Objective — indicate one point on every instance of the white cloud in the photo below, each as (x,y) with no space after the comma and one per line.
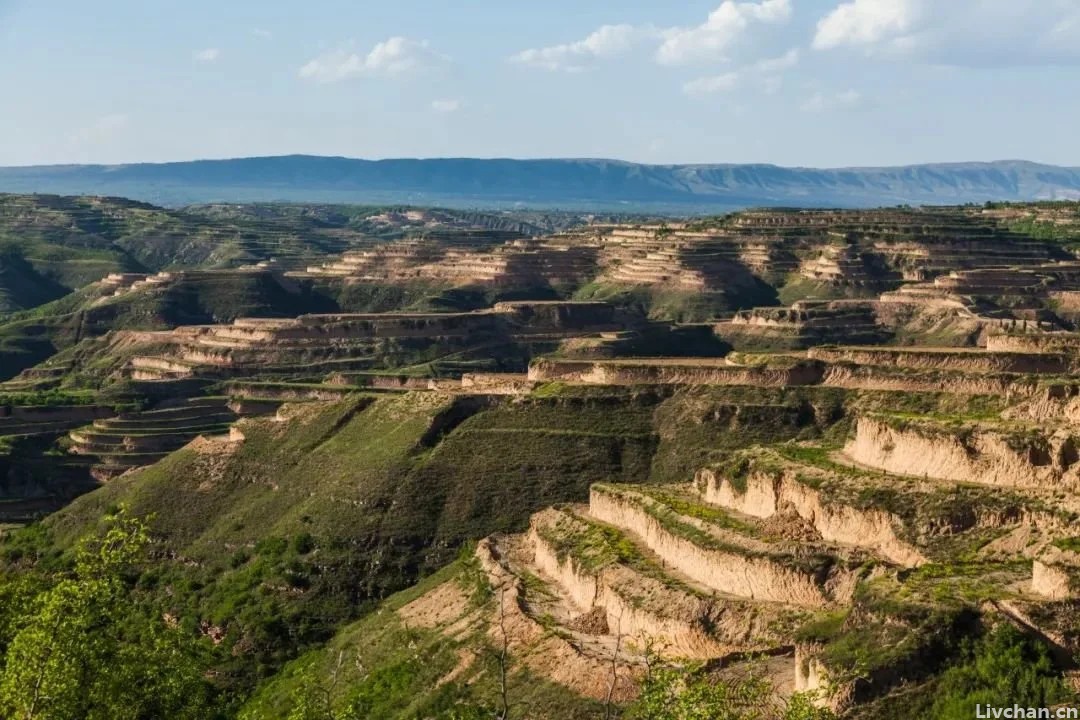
(607,42)
(712,85)
(446,106)
(207,55)
(727,27)
(723,29)
(775,65)
(826,102)
(393,57)
(765,74)
(957,32)
(262,33)
(864,22)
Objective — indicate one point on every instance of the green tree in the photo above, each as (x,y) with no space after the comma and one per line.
(17,594)
(86,651)
(1002,668)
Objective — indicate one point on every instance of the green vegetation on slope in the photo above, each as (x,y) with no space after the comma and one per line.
(383,668)
(999,667)
(310,521)
(76,240)
(30,337)
(74,645)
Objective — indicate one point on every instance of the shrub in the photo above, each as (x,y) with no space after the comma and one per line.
(1004,667)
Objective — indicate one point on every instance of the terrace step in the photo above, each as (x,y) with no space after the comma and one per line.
(143,438)
(597,584)
(719,552)
(962,359)
(905,520)
(997,453)
(95,443)
(158,424)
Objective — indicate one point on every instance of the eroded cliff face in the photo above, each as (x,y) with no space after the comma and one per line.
(853,377)
(644,611)
(1059,402)
(672,372)
(766,494)
(1034,343)
(812,678)
(968,455)
(744,574)
(1050,581)
(1056,574)
(547,654)
(959,360)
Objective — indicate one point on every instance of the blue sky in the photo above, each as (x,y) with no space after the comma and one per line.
(794,82)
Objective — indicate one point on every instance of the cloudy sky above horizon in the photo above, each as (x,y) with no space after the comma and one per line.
(823,83)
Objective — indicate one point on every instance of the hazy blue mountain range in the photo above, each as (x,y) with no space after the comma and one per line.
(564,183)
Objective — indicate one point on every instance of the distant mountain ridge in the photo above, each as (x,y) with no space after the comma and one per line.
(568,183)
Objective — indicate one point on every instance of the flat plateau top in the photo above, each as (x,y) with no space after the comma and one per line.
(924,350)
(695,362)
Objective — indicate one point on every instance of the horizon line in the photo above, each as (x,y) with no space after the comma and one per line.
(583,159)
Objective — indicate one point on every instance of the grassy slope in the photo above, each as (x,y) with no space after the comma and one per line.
(76,240)
(312,520)
(380,656)
(390,671)
(23,286)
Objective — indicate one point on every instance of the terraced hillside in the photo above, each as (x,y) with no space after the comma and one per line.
(136,301)
(372,492)
(51,245)
(74,241)
(856,578)
(694,271)
(854,562)
(914,273)
(33,480)
(138,439)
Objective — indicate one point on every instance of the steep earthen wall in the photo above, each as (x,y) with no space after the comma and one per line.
(866,377)
(497,383)
(766,494)
(974,456)
(811,676)
(1056,574)
(972,361)
(1051,581)
(754,577)
(677,625)
(670,373)
(1034,343)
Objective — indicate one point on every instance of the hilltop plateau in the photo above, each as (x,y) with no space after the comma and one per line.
(379,463)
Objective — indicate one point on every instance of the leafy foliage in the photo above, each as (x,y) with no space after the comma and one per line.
(1003,667)
(82,650)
